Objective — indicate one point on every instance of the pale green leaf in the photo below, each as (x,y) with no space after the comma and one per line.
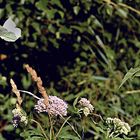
(130,74)
(41,5)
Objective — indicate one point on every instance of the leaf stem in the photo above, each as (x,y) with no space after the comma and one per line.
(132,91)
(62,127)
(51,128)
(122,5)
(72,128)
(40,128)
(30,93)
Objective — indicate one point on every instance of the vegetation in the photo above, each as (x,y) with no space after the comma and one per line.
(85,50)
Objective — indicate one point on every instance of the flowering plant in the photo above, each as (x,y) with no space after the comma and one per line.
(56,107)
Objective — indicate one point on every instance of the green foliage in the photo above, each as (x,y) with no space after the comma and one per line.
(133,72)
(80,49)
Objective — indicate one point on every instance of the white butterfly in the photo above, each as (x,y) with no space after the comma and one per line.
(9,32)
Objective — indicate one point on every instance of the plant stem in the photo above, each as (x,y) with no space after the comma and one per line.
(72,128)
(30,93)
(51,128)
(132,91)
(62,127)
(130,8)
(97,115)
(122,5)
(111,135)
(43,132)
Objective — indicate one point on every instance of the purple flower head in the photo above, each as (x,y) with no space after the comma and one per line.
(19,117)
(84,102)
(16,120)
(55,107)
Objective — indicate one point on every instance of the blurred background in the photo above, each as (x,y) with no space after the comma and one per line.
(80,48)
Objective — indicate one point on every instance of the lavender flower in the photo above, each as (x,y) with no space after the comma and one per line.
(87,107)
(84,102)
(55,107)
(16,120)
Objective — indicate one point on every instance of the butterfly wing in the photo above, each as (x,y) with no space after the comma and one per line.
(6,35)
(9,24)
(11,27)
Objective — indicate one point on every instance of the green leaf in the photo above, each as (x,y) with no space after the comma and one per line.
(8,127)
(79,28)
(41,5)
(109,9)
(75,102)
(76,9)
(130,74)
(68,136)
(50,13)
(1,137)
(65,30)
(122,13)
(137,74)
(57,2)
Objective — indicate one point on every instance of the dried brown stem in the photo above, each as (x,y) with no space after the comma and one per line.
(39,83)
(16,91)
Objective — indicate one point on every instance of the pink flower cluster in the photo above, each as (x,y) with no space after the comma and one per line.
(55,107)
(86,103)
